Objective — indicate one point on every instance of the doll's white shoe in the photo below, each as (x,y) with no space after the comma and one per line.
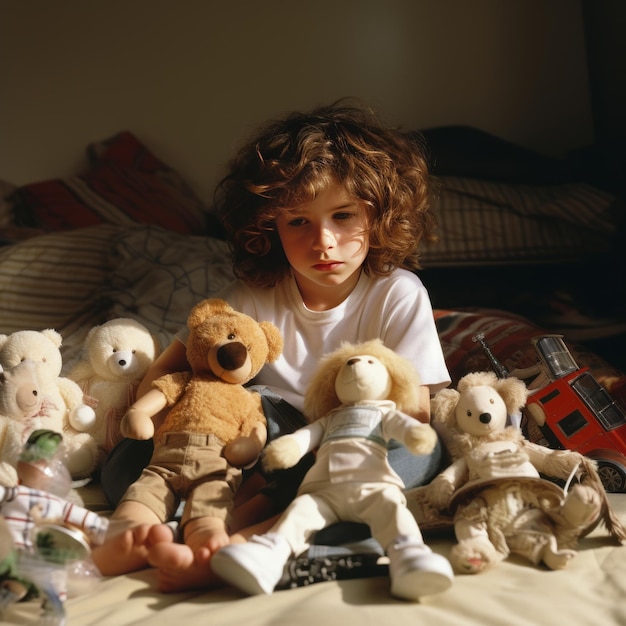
(254,567)
(416,571)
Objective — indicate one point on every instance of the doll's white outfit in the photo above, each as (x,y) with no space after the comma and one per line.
(351,480)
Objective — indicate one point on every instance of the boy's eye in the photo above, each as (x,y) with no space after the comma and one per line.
(297,221)
(343,215)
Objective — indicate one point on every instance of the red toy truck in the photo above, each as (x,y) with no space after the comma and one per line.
(575,412)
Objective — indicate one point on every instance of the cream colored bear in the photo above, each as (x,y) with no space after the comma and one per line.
(20,414)
(115,357)
(63,409)
(495,486)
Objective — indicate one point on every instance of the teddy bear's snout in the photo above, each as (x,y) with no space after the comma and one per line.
(123,362)
(231,356)
(485,418)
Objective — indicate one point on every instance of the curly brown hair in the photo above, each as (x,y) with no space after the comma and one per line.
(291,160)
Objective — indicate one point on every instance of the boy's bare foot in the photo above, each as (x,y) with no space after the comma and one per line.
(124,552)
(179,569)
(160,533)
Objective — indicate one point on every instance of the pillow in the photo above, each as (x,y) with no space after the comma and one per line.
(510,338)
(159,276)
(51,280)
(126,184)
(493,222)
(474,153)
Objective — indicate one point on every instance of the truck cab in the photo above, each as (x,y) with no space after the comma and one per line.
(574,412)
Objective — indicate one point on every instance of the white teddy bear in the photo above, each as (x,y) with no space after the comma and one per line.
(115,357)
(63,409)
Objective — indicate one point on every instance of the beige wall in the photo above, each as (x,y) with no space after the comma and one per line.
(192,77)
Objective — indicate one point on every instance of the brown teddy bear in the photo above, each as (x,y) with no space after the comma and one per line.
(212,417)
(494,487)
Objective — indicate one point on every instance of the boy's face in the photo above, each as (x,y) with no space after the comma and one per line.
(326,243)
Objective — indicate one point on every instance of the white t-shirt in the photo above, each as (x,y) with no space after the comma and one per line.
(394,308)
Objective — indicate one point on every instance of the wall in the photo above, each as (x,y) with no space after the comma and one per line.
(605,22)
(192,77)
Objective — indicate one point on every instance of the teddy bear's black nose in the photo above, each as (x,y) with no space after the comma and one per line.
(485,418)
(232,356)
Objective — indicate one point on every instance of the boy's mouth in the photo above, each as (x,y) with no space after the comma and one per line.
(327,266)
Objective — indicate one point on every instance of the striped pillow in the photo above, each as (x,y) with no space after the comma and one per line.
(486,222)
(55,279)
(510,339)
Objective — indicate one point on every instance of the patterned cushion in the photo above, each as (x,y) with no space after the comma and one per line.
(126,185)
(509,337)
(159,276)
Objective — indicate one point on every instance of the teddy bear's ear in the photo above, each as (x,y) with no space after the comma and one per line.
(91,333)
(443,405)
(514,393)
(476,378)
(206,309)
(274,340)
(53,336)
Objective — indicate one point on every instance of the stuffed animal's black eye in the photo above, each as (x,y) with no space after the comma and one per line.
(469,413)
(231,336)
(492,401)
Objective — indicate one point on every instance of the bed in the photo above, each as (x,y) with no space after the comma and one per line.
(128,238)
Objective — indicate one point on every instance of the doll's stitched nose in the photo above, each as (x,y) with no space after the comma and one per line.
(232,356)
(485,418)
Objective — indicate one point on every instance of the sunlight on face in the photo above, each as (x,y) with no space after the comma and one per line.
(326,243)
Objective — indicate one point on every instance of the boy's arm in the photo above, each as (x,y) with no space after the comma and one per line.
(172,359)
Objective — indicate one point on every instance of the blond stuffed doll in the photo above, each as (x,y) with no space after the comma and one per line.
(356,402)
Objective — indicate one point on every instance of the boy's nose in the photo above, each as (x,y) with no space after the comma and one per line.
(324,239)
